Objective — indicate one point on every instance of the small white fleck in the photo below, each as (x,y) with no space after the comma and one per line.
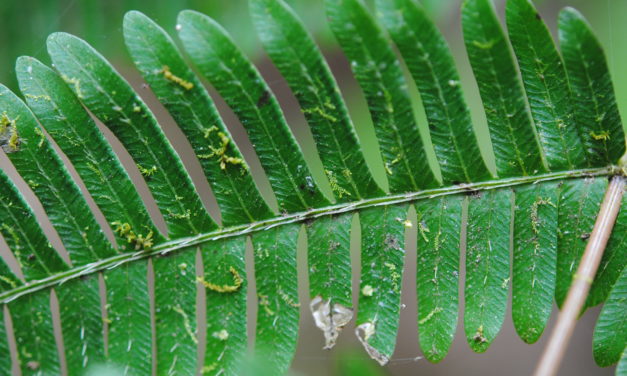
(178,27)
(29,69)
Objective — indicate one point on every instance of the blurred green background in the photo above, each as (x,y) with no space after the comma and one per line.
(25,25)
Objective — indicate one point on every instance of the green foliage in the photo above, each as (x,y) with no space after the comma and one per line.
(511,129)
(611,329)
(555,131)
(487,266)
(437,274)
(535,258)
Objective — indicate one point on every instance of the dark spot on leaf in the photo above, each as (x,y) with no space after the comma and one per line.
(456,182)
(392,242)
(538,16)
(473,193)
(585,236)
(264,99)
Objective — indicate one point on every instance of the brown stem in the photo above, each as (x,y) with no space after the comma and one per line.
(582,280)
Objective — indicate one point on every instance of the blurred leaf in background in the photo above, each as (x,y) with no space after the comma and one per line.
(355,362)
(27,23)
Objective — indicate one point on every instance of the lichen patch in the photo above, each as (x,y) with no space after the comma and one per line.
(139,241)
(600,136)
(9,138)
(221,152)
(237,283)
(168,75)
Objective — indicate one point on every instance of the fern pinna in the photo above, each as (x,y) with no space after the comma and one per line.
(555,132)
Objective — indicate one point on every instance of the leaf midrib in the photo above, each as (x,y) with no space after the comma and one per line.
(299,217)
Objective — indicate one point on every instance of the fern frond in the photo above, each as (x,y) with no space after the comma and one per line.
(554,128)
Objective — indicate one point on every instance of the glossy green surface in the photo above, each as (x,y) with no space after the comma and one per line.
(621,368)
(579,202)
(36,346)
(70,126)
(81,324)
(175,313)
(40,166)
(487,266)
(128,318)
(613,261)
(437,274)
(301,63)
(237,80)
(514,142)
(154,54)
(378,72)
(328,241)
(610,333)
(545,217)
(535,258)
(546,85)
(431,65)
(112,100)
(226,310)
(5,356)
(34,255)
(382,261)
(596,111)
(277,296)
